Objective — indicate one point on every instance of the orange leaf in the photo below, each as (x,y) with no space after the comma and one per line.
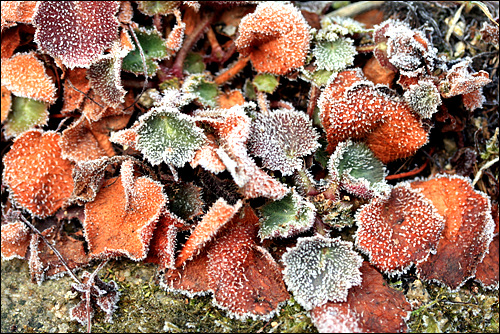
(38,177)
(25,76)
(120,222)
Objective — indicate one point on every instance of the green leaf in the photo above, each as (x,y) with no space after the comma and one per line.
(205,90)
(290,215)
(25,114)
(320,269)
(166,135)
(266,82)
(335,56)
(154,48)
(194,63)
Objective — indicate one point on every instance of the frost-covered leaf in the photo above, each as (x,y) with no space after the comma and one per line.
(357,170)
(154,48)
(166,135)
(320,269)
(286,217)
(244,277)
(24,115)
(398,230)
(16,238)
(372,307)
(334,56)
(334,27)
(76,32)
(185,200)
(79,143)
(423,98)
(17,11)
(44,263)
(24,75)
(104,77)
(353,107)
(282,138)
(38,178)
(276,36)
(233,127)
(121,219)
(218,215)
(206,91)
(402,49)
(467,233)
(164,240)
(73,99)
(208,158)
(105,295)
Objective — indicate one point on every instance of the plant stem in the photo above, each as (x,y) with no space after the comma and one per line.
(232,71)
(177,68)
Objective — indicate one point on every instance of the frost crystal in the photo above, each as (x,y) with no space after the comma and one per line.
(320,269)
(282,138)
(77,32)
(166,135)
(290,215)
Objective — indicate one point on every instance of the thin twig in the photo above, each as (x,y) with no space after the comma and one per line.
(413,172)
(189,42)
(61,258)
(85,94)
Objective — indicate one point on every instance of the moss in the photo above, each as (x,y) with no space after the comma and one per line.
(471,309)
(145,307)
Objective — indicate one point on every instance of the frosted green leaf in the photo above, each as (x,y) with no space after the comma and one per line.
(154,48)
(25,114)
(282,138)
(342,25)
(194,63)
(266,82)
(424,98)
(320,269)
(206,91)
(357,169)
(166,135)
(184,200)
(334,56)
(286,217)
